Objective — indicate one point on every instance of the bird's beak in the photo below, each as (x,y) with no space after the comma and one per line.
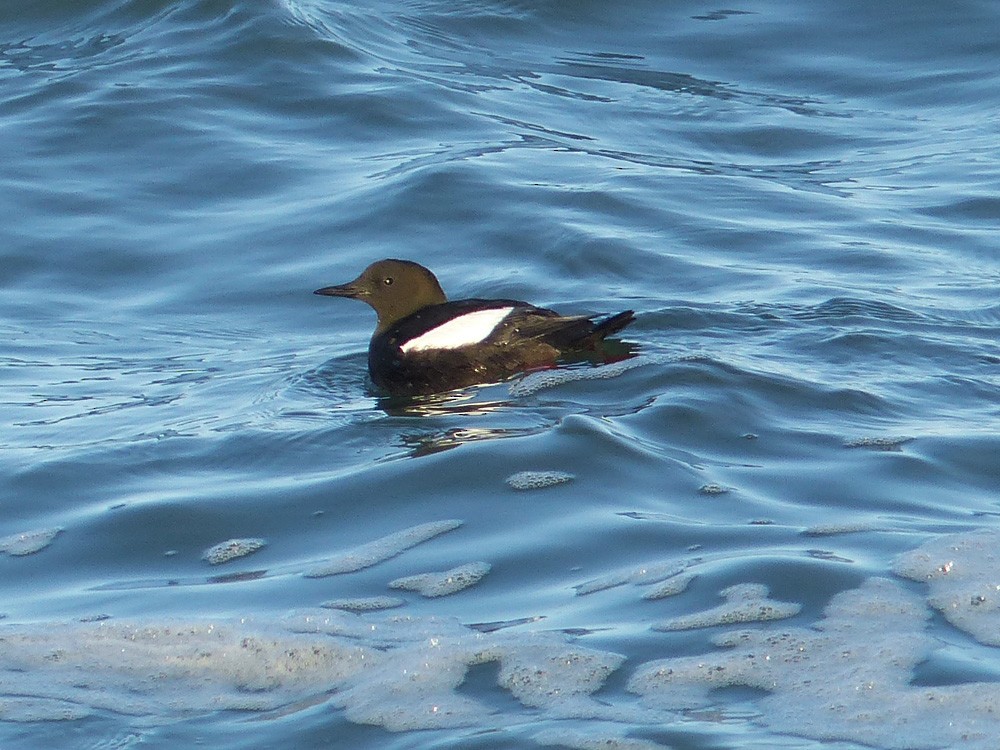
(351,289)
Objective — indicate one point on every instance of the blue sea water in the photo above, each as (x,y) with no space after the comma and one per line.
(801,201)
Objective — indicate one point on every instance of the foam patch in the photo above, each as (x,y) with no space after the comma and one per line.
(232,549)
(676,584)
(542,670)
(444,582)
(536,480)
(20,709)
(846,676)
(606,738)
(745,602)
(834,529)
(165,669)
(713,489)
(28,542)
(372,553)
(963,572)
(888,444)
(645,574)
(364,603)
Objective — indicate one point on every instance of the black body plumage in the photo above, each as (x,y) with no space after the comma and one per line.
(425,344)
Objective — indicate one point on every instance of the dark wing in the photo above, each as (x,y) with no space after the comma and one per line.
(561,332)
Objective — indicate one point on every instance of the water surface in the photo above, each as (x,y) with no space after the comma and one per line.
(801,205)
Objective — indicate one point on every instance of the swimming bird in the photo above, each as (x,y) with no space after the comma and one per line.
(424,344)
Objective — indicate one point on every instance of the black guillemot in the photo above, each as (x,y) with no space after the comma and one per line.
(424,344)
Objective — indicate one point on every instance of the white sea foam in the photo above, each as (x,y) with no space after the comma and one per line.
(963,572)
(543,670)
(892,444)
(536,480)
(713,488)
(745,602)
(28,542)
(645,574)
(167,668)
(372,553)
(364,603)
(594,738)
(845,527)
(676,584)
(17,708)
(443,582)
(232,549)
(847,676)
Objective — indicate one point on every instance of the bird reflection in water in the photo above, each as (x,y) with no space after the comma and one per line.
(467,402)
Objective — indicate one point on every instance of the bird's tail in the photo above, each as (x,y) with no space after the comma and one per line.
(611,325)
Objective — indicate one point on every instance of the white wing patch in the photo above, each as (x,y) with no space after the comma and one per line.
(464,330)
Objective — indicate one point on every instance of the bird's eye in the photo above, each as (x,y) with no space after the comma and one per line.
(387,281)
